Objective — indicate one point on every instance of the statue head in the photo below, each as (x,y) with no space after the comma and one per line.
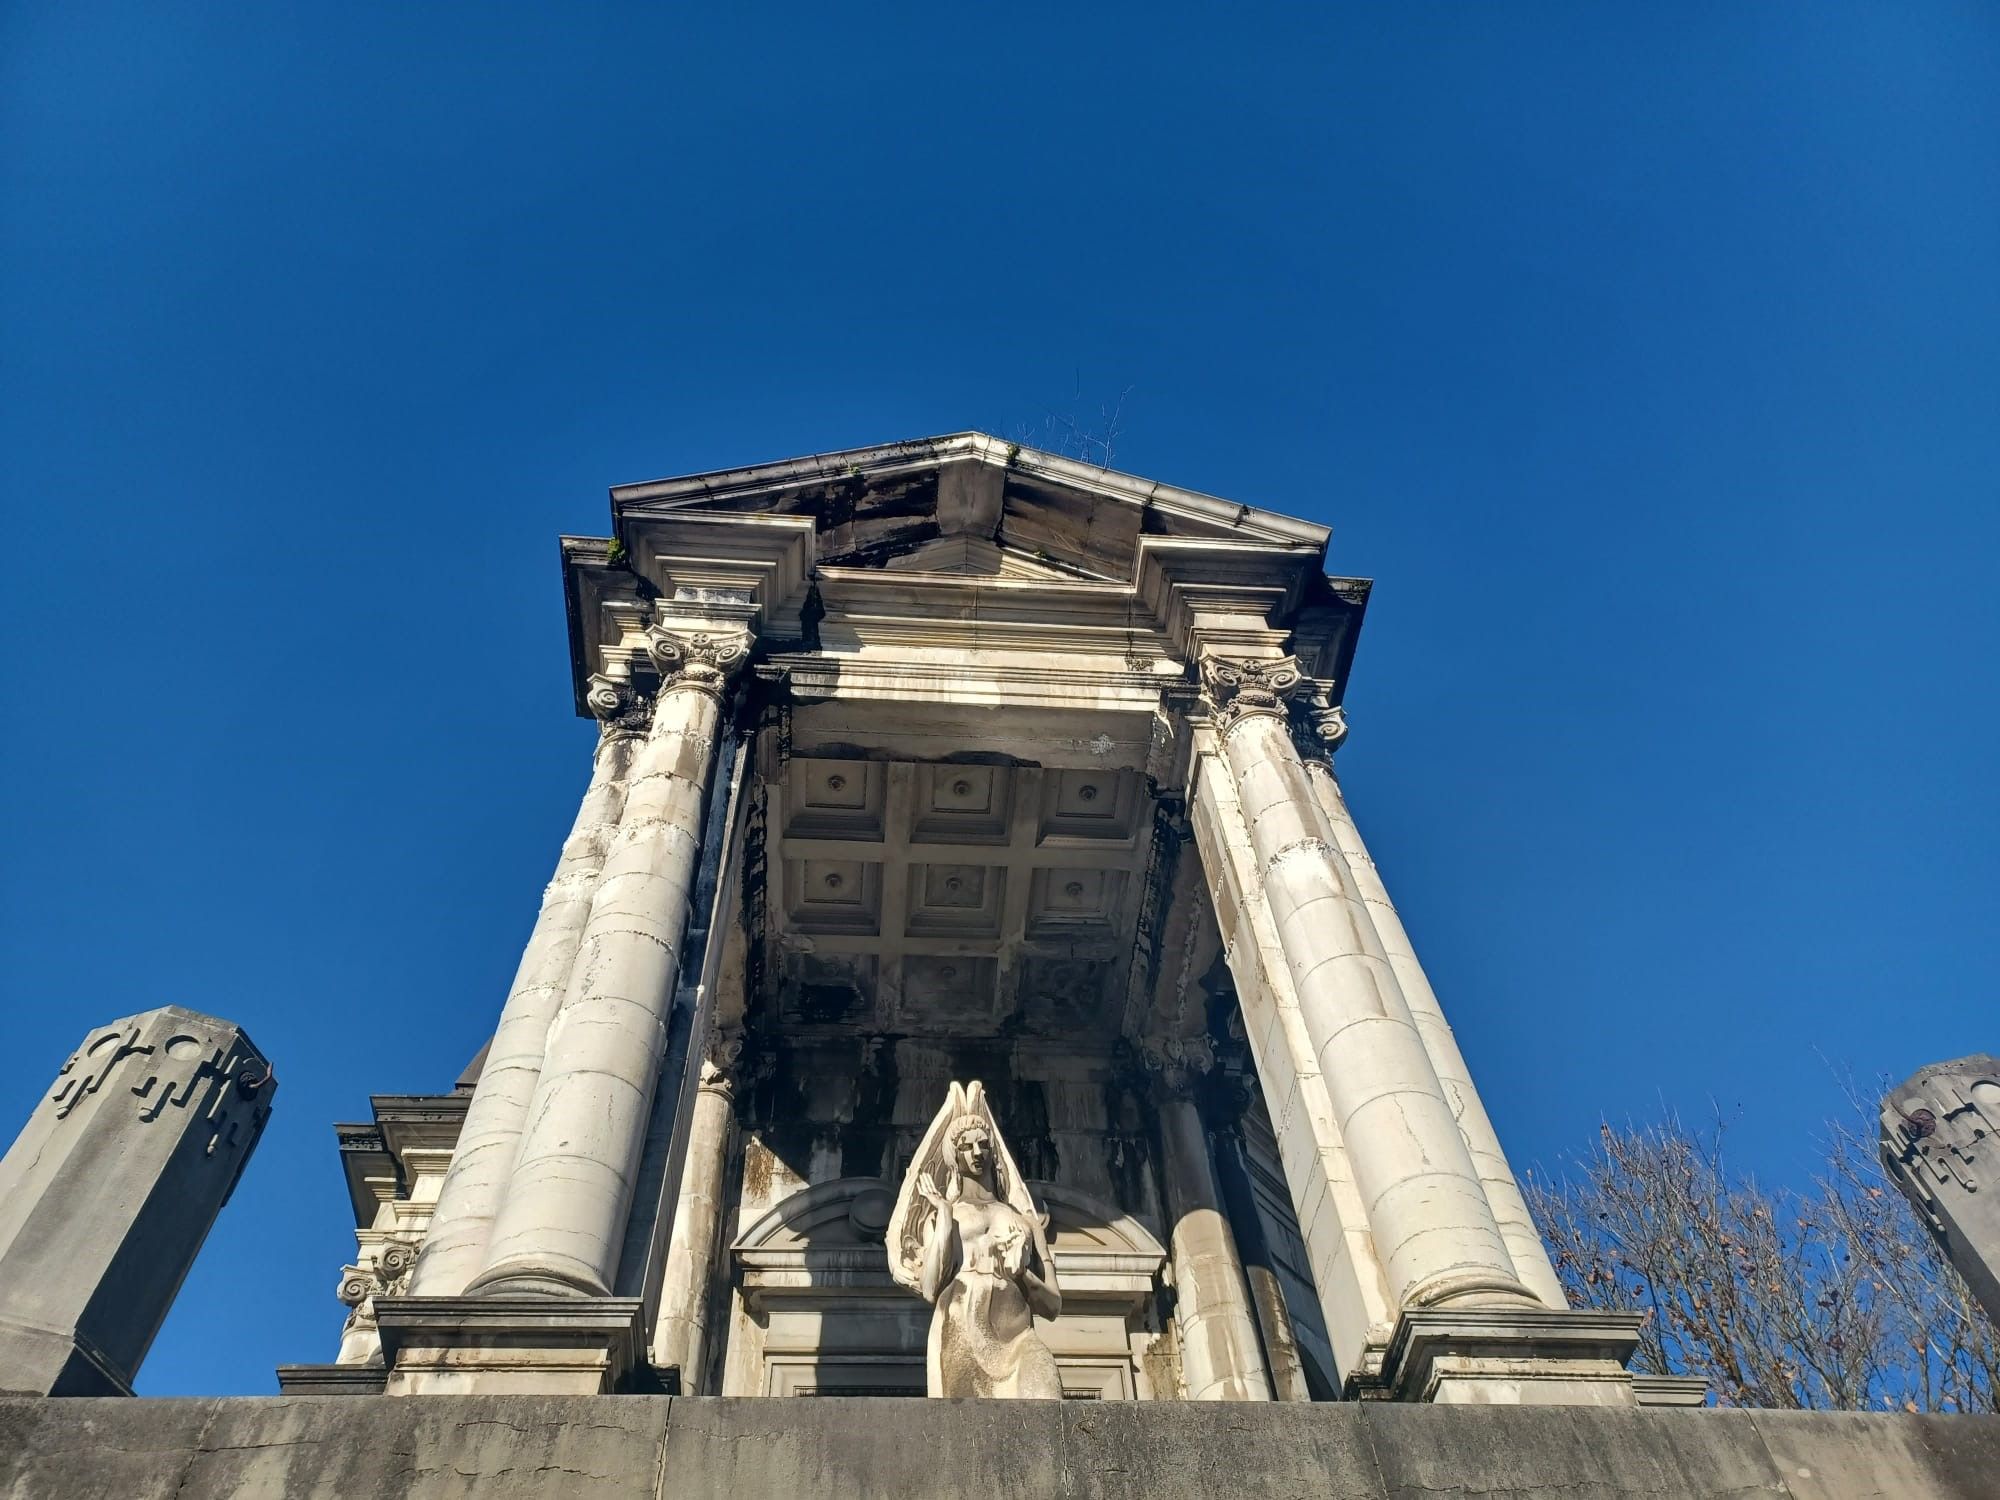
(972,1148)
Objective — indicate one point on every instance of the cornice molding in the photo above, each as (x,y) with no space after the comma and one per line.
(888,459)
(684,572)
(1189,597)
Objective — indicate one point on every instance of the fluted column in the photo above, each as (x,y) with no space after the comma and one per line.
(1327,727)
(1426,1207)
(561,1227)
(455,1244)
(680,1339)
(1222,1358)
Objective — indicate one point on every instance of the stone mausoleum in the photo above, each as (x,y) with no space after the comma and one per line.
(962,905)
(957,760)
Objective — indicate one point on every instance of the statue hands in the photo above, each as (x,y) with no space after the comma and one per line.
(940,1199)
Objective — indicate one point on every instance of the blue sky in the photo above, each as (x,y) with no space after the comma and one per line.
(1644,355)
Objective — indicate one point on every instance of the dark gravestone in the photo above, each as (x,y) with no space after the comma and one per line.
(107,1194)
(1941,1143)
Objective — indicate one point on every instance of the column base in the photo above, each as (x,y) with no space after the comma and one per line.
(1682,1392)
(540,1346)
(1506,1357)
(332,1380)
(36,1360)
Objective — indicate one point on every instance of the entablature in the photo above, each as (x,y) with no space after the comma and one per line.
(1039,575)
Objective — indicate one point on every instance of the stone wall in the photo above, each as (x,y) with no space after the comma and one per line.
(501,1448)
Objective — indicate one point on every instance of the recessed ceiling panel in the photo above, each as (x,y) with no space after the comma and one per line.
(834,799)
(1089,807)
(834,895)
(962,805)
(956,900)
(1074,904)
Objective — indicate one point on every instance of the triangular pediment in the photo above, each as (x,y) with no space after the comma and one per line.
(976,557)
(970,505)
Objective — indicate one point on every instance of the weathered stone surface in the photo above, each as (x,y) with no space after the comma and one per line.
(467,1446)
(1937,1142)
(523,1447)
(109,1191)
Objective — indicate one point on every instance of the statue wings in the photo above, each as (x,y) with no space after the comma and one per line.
(910,1224)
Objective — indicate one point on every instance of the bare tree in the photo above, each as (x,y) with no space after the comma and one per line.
(1076,433)
(1832,1297)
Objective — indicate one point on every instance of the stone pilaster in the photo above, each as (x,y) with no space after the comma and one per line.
(1222,1358)
(455,1246)
(1427,1211)
(1321,730)
(680,1338)
(562,1224)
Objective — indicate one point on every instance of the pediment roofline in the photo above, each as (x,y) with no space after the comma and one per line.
(928,544)
(740,488)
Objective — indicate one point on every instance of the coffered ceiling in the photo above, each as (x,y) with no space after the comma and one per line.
(953,899)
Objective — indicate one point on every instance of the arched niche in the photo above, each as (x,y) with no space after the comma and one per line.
(817,1312)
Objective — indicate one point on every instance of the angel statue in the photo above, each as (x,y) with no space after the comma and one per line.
(966,1238)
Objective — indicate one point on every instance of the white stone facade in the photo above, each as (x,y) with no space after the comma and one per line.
(953,760)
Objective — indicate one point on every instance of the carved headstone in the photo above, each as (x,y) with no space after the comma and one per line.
(106,1196)
(1941,1142)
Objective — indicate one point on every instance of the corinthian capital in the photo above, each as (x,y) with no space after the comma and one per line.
(619,709)
(706,661)
(1318,725)
(1177,1062)
(718,1062)
(1242,688)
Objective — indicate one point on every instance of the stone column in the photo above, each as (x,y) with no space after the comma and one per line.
(1427,1210)
(680,1338)
(455,1245)
(1231,1155)
(1325,727)
(561,1227)
(110,1189)
(1222,1358)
